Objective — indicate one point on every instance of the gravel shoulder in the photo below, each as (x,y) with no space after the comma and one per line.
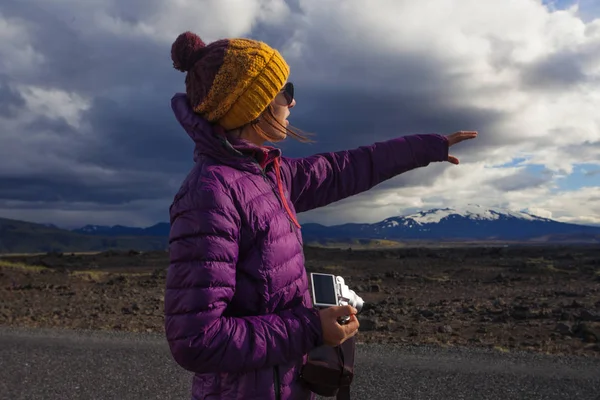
(63,364)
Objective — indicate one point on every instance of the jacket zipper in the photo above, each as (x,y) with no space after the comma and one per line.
(293,227)
(276,383)
(267,180)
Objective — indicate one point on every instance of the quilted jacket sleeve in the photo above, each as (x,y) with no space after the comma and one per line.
(326,178)
(201,281)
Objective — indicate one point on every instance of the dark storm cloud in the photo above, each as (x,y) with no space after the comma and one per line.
(71,189)
(520,181)
(78,58)
(10,100)
(349,118)
(348,95)
(558,71)
(140,133)
(130,83)
(562,70)
(59,127)
(66,57)
(147,155)
(356,117)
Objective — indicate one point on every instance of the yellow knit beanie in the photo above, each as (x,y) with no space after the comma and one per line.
(231,81)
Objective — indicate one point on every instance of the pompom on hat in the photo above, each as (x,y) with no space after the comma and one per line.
(231,81)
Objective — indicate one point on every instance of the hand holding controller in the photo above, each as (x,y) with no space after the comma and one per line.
(339,306)
(334,331)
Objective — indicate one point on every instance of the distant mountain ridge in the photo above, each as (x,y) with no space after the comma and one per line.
(160,229)
(28,237)
(471,222)
(459,224)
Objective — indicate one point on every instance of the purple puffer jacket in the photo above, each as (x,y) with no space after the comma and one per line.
(237,307)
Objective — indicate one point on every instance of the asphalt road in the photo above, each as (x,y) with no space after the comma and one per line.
(66,365)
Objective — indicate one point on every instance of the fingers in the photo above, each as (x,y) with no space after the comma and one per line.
(453,160)
(335,333)
(351,327)
(465,134)
(460,136)
(348,330)
(342,311)
(348,336)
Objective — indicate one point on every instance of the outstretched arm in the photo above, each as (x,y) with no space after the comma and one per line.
(326,178)
(201,282)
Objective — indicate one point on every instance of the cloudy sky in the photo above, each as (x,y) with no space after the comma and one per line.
(88,137)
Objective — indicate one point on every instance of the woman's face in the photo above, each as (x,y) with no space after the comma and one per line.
(280,108)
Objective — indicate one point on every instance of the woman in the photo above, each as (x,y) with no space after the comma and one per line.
(237,307)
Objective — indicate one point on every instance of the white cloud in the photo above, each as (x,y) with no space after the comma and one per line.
(535,70)
(538,69)
(483,51)
(162,21)
(55,104)
(17,56)
(540,212)
(475,183)
(577,206)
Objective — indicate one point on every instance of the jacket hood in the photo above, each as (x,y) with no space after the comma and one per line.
(211,140)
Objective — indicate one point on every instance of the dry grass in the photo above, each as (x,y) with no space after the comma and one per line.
(436,278)
(98,276)
(370,244)
(501,349)
(88,275)
(92,276)
(542,265)
(21,266)
(76,253)
(387,243)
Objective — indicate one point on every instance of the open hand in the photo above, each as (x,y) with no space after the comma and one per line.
(458,137)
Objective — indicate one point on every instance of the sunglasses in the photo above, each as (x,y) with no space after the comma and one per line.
(288,93)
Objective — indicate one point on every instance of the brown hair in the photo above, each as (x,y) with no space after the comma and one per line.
(268,116)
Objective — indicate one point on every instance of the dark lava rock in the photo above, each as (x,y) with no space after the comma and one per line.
(520,314)
(576,304)
(587,333)
(445,329)
(589,316)
(368,323)
(375,288)
(565,294)
(563,329)
(502,318)
(566,316)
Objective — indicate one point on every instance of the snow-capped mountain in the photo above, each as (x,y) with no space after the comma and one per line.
(472,211)
(471,222)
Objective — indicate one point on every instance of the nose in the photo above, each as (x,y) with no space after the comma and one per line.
(292,104)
